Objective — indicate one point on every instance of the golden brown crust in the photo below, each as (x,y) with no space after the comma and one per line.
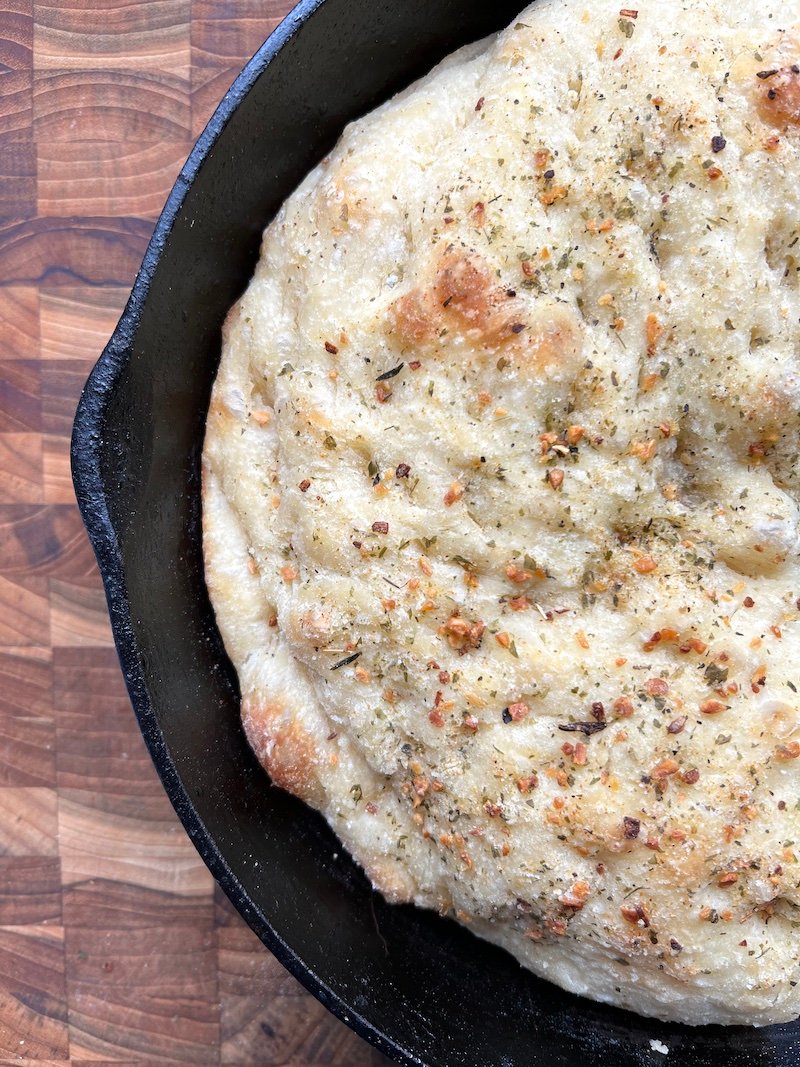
(779,97)
(284,748)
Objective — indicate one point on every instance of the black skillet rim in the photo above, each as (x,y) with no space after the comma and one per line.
(90,492)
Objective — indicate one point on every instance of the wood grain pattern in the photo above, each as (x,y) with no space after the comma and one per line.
(108,178)
(19,313)
(115,945)
(33,994)
(84,35)
(18,180)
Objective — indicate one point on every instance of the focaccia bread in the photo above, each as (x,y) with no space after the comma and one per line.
(501,499)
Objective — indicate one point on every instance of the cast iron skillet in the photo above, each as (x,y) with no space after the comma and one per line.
(419,988)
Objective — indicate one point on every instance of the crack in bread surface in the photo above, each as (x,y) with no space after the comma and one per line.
(501,499)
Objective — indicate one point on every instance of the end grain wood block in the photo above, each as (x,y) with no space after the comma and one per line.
(116,825)
(33,995)
(226,33)
(103,904)
(57,472)
(18,180)
(78,614)
(44,552)
(27,730)
(146,994)
(72,251)
(82,34)
(16,34)
(28,822)
(19,313)
(43,541)
(61,384)
(111,105)
(134,850)
(30,890)
(20,395)
(16,70)
(16,105)
(100,746)
(21,468)
(24,610)
(77,321)
(101,178)
(266,1017)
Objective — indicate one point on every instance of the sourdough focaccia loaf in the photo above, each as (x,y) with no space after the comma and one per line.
(501,499)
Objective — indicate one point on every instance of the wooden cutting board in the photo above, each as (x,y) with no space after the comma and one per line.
(114,945)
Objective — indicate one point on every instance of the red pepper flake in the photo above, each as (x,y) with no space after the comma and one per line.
(617,54)
(436,717)
(380,527)
(787,752)
(403,470)
(656,687)
(305,485)
(518,711)
(645,565)
(712,707)
(629,13)
(527,783)
(636,914)
(691,777)
(729,878)
(382,392)
(630,828)
(461,634)
(492,810)
(665,769)
(371,809)
(623,707)
(749,602)
(471,723)
(576,897)
(414,364)
(481,102)
(330,347)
